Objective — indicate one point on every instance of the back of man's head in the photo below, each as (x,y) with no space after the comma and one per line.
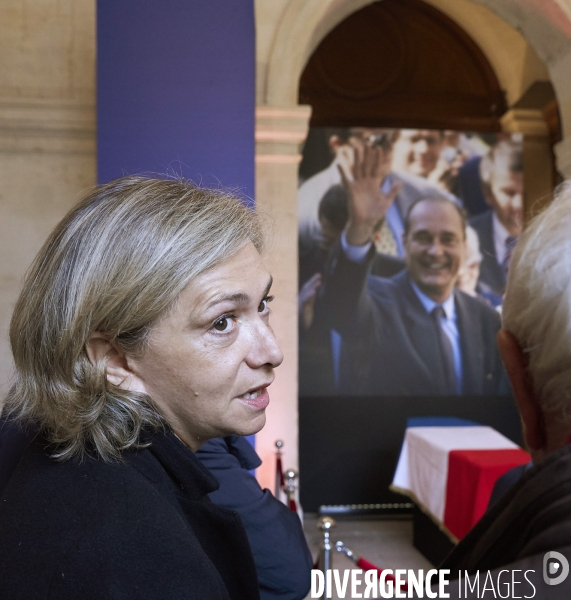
(537,304)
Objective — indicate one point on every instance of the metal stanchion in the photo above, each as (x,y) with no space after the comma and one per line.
(279,470)
(340,547)
(289,489)
(324,562)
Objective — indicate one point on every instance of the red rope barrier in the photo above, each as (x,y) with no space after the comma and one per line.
(367,566)
(292,504)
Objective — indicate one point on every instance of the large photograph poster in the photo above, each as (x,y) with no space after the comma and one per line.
(405,240)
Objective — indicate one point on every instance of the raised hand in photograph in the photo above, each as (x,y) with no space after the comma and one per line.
(363,181)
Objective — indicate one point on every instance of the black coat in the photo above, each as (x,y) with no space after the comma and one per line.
(390,346)
(138,529)
(283,561)
(13,442)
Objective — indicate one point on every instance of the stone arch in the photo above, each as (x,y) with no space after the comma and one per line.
(494,25)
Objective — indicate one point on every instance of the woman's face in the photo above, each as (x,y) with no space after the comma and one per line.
(211,359)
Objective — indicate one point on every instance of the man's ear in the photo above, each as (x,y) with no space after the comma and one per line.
(487,193)
(100,349)
(515,362)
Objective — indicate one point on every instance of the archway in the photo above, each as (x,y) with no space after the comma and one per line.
(401,64)
(286,39)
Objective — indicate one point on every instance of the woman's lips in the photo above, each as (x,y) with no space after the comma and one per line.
(259,399)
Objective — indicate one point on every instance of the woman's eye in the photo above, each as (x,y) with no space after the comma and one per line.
(222,324)
(263,306)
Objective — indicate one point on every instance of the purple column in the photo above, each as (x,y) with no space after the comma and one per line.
(176,90)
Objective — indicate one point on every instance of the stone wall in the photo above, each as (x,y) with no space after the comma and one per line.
(47,132)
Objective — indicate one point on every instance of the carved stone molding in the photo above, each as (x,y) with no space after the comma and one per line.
(280,132)
(46,126)
(530,122)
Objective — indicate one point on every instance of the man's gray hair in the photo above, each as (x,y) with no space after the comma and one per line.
(114,265)
(537,304)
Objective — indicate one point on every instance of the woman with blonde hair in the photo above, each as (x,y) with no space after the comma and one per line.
(141,332)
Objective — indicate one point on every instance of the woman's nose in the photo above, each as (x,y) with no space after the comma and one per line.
(264,349)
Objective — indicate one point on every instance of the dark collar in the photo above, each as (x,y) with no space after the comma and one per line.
(186,471)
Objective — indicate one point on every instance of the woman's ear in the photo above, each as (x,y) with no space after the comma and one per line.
(100,349)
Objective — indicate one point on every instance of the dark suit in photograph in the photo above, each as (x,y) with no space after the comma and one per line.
(317,372)
(390,343)
(384,265)
(492,275)
(470,187)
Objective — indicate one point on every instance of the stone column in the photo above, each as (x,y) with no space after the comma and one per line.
(537,157)
(279,134)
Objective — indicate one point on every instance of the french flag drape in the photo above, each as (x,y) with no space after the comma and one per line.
(449,467)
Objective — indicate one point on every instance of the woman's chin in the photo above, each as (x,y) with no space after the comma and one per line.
(253,425)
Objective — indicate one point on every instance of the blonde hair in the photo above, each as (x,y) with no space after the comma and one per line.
(113,265)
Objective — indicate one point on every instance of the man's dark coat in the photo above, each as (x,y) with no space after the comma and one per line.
(531,519)
(390,344)
(138,529)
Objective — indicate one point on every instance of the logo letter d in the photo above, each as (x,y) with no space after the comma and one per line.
(552,568)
